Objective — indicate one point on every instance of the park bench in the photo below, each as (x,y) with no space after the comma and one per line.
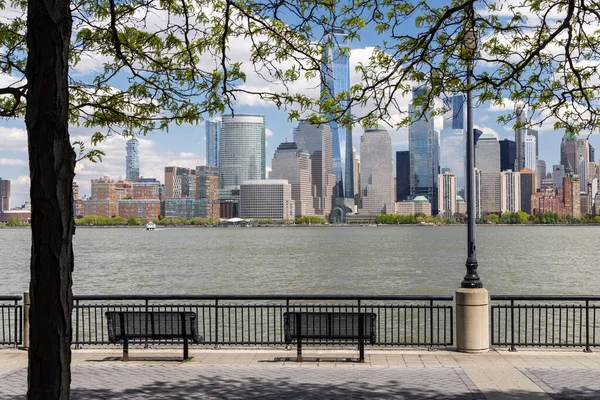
(329,325)
(154,325)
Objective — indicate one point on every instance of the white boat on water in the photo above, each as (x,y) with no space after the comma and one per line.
(150,226)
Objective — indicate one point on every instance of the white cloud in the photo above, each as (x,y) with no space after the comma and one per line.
(13,139)
(268,132)
(13,162)
(488,130)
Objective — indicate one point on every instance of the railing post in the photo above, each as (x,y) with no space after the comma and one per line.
(430,326)
(146,311)
(512,326)
(77,324)
(587,327)
(216,324)
(26,307)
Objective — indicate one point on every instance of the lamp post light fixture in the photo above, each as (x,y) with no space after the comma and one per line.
(471,279)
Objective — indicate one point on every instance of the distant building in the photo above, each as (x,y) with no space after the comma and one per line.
(180,182)
(4,194)
(508,154)
(540,172)
(139,208)
(528,184)
(207,190)
(241,149)
(402,175)
(558,173)
(452,141)
(582,166)
(461,205)
(534,133)
(530,157)
(424,148)
(447,195)
(487,154)
(132,161)
(491,192)
(103,200)
(376,192)
(213,133)
(420,205)
(520,143)
(293,164)
(267,199)
(510,191)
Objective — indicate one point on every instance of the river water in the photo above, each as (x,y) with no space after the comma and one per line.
(318,260)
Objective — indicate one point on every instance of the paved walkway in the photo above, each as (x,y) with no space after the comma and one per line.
(325,374)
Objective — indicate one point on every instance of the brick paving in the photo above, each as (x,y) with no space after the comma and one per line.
(566,383)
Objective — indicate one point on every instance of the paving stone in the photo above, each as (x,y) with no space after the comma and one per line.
(566,382)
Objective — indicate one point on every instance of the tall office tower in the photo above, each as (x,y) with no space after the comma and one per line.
(528,185)
(317,142)
(476,135)
(207,191)
(575,186)
(592,156)
(452,141)
(510,191)
(180,182)
(558,173)
(241,149)
(582,150)
(478,208)
(356,172)
(335,73)
(424,151)
(447,195)
(132,161)
(4,194)
(530,158)
(540,172)
(508,154)
(293,164)
(491,192)
(213,131)
(582,165)
(487,154)
(533,132)
(568,154)
(402,175)
(520,143)
(376,191)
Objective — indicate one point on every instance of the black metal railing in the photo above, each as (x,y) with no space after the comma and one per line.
(546,321)
(11,318)
(256,320)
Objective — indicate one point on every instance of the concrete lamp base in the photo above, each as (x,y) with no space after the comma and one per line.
(472,320)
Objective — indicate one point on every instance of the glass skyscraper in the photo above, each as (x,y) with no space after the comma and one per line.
(452,141)
(241,149)
(335,71)
(424,149)
(132,161)
(213,129)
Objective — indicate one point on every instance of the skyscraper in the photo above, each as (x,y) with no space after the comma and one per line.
(487,154)
(533,132)
(528,184)
(335,72)
(132,161)
(180,182)
(540,172)
(582,166)
(568,154)
(592,157)
(402,175)
(213,131)
(241,149)
(508,154)
(447,195)
(317,142)
(520,144)
(4,194)
(293,164)
(558,173)
(423,146)
(510,191)
(377,172)
(452,141)
(207,191)
(530,158)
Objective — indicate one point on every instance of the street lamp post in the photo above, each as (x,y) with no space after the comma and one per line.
(471,279)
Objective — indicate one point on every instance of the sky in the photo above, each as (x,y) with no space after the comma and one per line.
(186,145)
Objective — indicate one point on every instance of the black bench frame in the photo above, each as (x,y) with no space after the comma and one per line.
(364,331)
(119,330)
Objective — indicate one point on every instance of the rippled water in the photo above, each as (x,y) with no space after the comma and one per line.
(318,260)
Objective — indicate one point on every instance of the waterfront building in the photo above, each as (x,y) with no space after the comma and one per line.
(508,154)
(103,200)
(402,175)
(139,208)
(558,173)
(419,205)
(423,146)
(487,154)
(132,160)
(207,191)
(212,129)
(180,182)
(452,141)
(241,149)
(146,189)
(77,202)
(530,157)
(597,203)
(22,215)
(316,140)
(461,205)
(123,190)
(490,193)
(293,164)
(376,190)
(540,172)
(267,199)
(528,189)
(4,194)
(101,208)
(335,70)
(447,195)
(510,191)
(229,203)
(185,207)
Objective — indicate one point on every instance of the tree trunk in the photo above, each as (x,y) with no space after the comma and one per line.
(52,168)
